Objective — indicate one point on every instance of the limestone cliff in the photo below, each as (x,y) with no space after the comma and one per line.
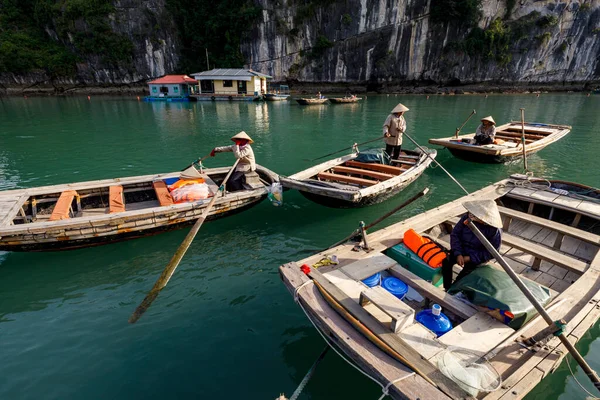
(385,42)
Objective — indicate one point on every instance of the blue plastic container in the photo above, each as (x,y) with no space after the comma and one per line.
(170,181)
(373,280)
(434,320)
(395,286)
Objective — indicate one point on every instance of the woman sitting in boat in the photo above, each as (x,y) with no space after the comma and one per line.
(242,151)
(486,132)
(393,128)
(466,249)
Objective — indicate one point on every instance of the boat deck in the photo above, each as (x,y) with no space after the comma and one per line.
(10,206)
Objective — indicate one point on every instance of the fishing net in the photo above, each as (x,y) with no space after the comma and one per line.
(471,372)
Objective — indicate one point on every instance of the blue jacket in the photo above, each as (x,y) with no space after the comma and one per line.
(464,242)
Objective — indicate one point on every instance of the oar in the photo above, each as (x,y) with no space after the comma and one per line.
(523,138)
(172,265)
(345,149)
(197,161)
(459,129)
(540,309)
(378,220)
(438,164)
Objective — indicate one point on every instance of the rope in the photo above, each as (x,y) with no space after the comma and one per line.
(580,385)
(384,389)
(309,374)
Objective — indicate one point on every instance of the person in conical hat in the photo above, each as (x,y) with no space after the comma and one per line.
(242,151)
(393,128)
(486,132)
(466,249)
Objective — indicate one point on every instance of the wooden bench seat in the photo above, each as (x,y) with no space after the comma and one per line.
(346,179)
(369,266)
(511,214)
(538,131)
(162,193)
(116,200)
(63,208)
(402,314)
(405,162)
(436,294)
(388,169)
(382,176)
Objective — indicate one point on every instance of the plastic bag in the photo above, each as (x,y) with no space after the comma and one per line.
(190,193)
(276,194)
(376,156)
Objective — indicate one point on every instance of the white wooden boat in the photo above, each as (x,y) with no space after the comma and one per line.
(344,100)
(537,136)
(310,101)
(109,210)
(344,182)
(550,237)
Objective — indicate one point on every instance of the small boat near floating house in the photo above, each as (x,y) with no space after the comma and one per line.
(70,216)
(508,146)
(311,101)
(345,100)
(230,84)
(277,93)
(344,182)
(551,239)
(171,88)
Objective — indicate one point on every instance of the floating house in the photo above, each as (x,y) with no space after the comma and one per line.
(230,84)
(171,88)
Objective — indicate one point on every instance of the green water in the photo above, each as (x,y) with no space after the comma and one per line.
(225,327)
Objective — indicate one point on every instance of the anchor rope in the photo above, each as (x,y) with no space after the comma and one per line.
(580,385)
(384,389)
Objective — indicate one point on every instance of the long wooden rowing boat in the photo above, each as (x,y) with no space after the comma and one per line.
(83,214)
(551,237)
(537,136)
(344,100)
(344,182)
(310,101)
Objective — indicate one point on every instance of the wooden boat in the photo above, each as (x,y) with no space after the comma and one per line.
(310,101)
(277,93)
(344,182)
(550,238)
(537,136)
(344,100)
(110,210)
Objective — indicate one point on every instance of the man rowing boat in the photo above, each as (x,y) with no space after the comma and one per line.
(242,151)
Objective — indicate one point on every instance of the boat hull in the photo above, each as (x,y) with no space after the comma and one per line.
(310,102)
(276,97)
(487,158)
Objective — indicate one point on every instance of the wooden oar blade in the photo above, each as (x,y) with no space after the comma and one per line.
(141,309)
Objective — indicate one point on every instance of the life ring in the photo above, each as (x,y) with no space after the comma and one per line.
(212,98)
(230,97)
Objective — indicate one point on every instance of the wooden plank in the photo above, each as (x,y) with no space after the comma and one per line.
(545,253)
(369,266)
(479,334)
(544,195)
(388,169)
(429,291)
(522,191)
(545,279)
(567,201)
(394,341)
(356,171)
(422,340)
(346,179)
(7,217)
(349,286)
(565,229)
(523,387)
(589,207)
(401,313)
(362,351)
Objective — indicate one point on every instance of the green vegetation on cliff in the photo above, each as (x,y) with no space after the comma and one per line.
(216,26)
(53,35)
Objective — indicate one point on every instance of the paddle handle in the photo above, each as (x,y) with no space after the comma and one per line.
(523,138)
(464,123)
(179,253)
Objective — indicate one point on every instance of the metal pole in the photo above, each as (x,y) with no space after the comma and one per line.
(438,164)
(207,65)
(523,137)
(462,126)
(570,348)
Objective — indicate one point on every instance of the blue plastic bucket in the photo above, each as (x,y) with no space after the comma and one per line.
(373,280)
(395,286)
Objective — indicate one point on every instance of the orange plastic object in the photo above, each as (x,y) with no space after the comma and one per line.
(115,199)
(498,141)
(184,182)
(63,205)
(162,193)
(427,250)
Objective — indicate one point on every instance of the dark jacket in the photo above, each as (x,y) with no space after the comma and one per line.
(464,242)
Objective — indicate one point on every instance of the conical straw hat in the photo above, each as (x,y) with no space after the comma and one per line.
(489,119)
(399,108)
(243,135)
(485,210)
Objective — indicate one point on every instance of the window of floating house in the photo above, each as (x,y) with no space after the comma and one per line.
(227,83)
(176,89)
(154,90)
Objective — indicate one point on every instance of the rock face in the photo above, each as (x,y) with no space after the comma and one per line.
(383,42)
(148,26)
